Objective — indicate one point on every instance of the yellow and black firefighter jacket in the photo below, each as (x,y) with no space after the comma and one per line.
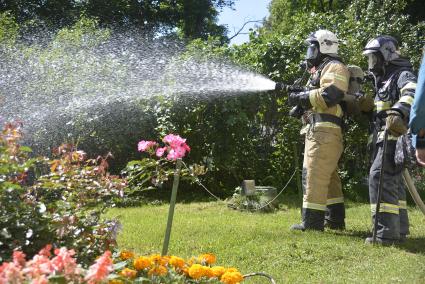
(323,144)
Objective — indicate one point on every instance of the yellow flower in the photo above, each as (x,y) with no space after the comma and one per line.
(208,272)
(142,262)
(158,259)
(196,271)
(115,281)
(231,278)
(207,258)
(158,271)
(125,254)
(128,273)
(177,262)
(218,271)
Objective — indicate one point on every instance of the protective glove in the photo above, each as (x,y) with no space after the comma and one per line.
(366,103)
(300,98)
(395,123)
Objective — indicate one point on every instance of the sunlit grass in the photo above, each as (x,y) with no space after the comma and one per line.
(263,243)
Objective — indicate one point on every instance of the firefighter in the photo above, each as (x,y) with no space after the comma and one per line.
(395,86)
(323,201)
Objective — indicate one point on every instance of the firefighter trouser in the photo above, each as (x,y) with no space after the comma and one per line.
(321,183)
(392,218)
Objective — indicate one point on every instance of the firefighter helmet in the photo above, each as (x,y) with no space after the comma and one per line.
(387,46)
(326,41)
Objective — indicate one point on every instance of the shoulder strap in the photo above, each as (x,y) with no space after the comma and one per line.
(394,80)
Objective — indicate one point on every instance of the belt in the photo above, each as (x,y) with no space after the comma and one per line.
(324,117)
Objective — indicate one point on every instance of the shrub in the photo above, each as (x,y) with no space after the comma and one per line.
(64,204)
(24,221)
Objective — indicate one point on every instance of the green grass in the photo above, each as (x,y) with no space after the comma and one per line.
(263,243)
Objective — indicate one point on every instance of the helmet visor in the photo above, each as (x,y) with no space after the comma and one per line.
(372,60)
(312,51)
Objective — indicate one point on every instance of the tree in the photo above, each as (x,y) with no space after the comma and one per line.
(193,18)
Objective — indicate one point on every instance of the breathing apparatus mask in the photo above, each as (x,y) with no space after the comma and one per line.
(376,63)
(313,56)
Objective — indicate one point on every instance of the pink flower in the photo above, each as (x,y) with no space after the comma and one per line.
(186,147)
(174,140)
(178,146)
(100,270)
(172,155)
(160,151)
(46,251)
(19,258)
(10,273)
(145,145)
(64,261)
(39,265)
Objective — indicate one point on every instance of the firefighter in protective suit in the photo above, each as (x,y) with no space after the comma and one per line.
(395,86)
(323,201)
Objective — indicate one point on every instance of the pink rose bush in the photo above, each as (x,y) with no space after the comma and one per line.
(175,147)
(144,146)
(158,167)
(61,267)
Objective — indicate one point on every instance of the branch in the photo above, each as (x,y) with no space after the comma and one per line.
(240,30)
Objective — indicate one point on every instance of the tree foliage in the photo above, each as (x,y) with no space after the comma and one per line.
(192,18)
(243,137)
(276,52)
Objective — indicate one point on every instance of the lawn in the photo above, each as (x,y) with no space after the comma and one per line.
(258,242)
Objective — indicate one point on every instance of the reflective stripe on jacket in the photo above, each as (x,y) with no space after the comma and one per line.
(334,80)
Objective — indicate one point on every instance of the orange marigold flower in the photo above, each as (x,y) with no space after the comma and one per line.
(177,262)
(158,271)
(142,262)
(165,260)
(207,271)
(160,260)
(128,273)
(207,258)
(126,254)
(196,271)
(218,271)
(231,278)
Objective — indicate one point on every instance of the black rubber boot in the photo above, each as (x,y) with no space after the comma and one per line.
(312,220)
(335,216)
(334,226)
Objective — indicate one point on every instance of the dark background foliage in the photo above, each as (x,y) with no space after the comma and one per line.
(248,136)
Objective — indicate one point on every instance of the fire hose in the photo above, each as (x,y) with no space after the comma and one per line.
(260,274)
(412,189)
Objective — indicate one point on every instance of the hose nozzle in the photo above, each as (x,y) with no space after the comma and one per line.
(281,87)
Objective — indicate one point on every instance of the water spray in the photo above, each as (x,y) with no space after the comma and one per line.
(62,92)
